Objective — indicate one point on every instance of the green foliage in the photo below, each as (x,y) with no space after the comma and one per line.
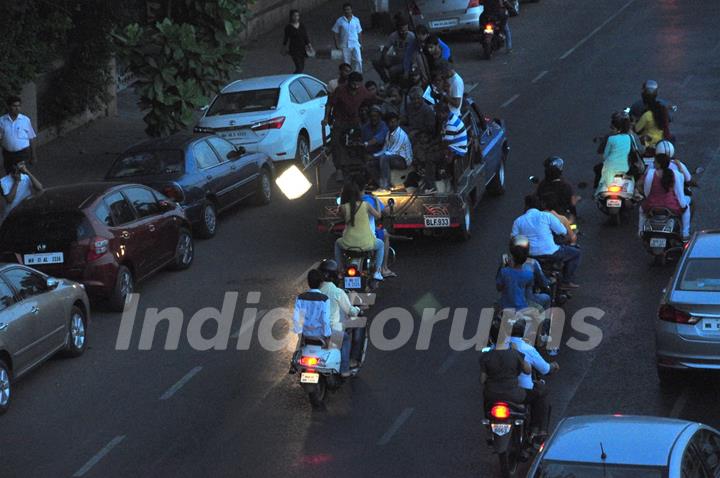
(182,59)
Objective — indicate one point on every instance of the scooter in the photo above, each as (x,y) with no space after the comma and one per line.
(358,267)
(662,235)
(617,198)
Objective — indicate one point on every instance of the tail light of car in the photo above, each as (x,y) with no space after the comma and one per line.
(414,9)
(274,123)
(501,411)
(489,28)
(174,192)
(98,247)
(473,4)
(668,313)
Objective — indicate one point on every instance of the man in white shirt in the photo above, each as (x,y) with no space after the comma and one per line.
(539,226)
(348,37)
(397,151)
(455,88)
(16,187)
(16,136)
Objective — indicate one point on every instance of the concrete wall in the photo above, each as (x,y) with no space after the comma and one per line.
(273,14)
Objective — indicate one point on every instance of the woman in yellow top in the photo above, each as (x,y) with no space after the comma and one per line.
(652,124)
(357,233)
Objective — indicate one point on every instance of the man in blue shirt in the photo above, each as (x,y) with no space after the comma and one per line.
(311,315)
(373,132)
(514,281)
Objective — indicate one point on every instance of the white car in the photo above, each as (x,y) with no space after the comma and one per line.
(278,115)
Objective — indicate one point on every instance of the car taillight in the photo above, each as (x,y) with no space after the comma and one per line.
(97,248)
(668,313)
(414,9)
(309,361)
(500,411)
(489,28)
(352,271)
(174,192)
(473,4)
(275,123)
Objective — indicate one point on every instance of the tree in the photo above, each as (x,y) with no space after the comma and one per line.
(183,59)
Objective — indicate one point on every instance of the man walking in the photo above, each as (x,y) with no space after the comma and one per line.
(16,136)
(348,37)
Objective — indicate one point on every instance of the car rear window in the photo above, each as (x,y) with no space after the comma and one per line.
(549,469)
(54,227)
(701,275)
(148,163)
(244,102)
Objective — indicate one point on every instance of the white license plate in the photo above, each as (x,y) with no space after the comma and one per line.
(239,134)
(711,325)
(353,282)
(444,23)
(658,242)
(44,258)
(613,203)
(307,377)
(433,221)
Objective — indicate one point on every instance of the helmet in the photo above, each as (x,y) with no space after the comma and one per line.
(665,147)
(554,162)
(650,87)
(329,269)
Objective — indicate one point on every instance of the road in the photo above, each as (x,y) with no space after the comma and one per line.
(187,413)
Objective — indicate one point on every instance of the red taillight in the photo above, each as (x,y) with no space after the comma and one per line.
(668,313)
(309,361)
(97,248)
(352,271)
(614,189)
(473,4)
(275,123)
(414,9)
(500,411)
(174,192)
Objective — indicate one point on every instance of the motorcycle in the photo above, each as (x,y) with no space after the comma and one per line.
(618,197)
(662,235)
(358,267)
(508,433)
(493,38)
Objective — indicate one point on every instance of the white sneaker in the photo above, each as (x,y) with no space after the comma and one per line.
(378,276)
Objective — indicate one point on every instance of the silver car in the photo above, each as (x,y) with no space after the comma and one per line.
(687,331)
(628,447)
(39,316)
(447,15)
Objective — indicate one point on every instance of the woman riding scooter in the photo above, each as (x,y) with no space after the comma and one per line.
(616,153)
(663,188)
(357,233)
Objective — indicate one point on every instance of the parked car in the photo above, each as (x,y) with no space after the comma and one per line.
(105,236)
(39,316)
(629,446)
(204,174)
(448,15)
(687,332)
(277,115)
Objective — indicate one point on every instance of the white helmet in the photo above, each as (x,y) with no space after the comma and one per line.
(665,147)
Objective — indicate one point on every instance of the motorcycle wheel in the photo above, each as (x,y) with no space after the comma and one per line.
(317,397)
(660,260)
(504,460)
(487,49)
(615,219)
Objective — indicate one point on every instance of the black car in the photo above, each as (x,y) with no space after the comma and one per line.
(205,174)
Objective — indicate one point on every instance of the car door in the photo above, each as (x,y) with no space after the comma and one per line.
(301,103)
(42,310)
(157,247)
(216,173)
(316,110)
(244,169)
(17,329)
(132,236)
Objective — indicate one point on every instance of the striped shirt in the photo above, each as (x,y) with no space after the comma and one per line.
(311,316)
(455,135)
(397,143)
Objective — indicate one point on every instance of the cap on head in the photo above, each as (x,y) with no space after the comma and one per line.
(650,87)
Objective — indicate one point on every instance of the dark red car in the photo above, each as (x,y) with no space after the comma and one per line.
(106,236)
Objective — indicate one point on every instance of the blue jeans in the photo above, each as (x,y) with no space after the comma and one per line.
(570,257)
(508,34)
(379,253)
(543,300)
(345,353)
(387,162)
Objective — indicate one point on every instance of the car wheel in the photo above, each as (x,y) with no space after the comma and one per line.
(5,387)
(264,192)
(77,333)
(184,251)
(123,288)
(208,224)
(302,152)
(496,187)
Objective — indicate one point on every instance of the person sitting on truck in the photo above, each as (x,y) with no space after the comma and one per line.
(357,233)
(374,131)
(397,151)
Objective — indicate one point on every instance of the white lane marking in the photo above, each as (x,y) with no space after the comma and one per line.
(303,277)
(594,32)
(475,85)
(539,77)
(679,405)
(99,455)
(244,328)
(173,390)
(448,362)
(510,101)
(686,81)
(385,439)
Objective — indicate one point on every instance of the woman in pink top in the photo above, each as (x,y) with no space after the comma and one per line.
(663,188)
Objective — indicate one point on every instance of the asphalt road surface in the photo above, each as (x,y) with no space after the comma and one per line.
(187,413)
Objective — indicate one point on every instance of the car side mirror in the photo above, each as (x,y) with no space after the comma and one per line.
(52,283)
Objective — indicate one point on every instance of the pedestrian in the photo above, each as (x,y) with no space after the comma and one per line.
(344,69)
(296,41)
(348,37)
(16,136)
(18,185)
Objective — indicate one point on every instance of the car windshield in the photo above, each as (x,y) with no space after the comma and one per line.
(551,469)
(148,163)
(701,275)
(244,102)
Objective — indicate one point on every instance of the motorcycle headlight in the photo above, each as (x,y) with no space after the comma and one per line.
(501,429)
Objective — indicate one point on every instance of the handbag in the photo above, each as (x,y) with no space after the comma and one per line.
(310,51)
(635,161)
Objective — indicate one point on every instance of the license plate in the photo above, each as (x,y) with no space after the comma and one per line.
(444,23)
(501,429)
(239,134)
(658,242)
(434,221)
(44,258)
(353,282)
(613,203)
(711,325)
(307,377)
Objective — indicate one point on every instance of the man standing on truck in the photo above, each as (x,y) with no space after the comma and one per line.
(454,141)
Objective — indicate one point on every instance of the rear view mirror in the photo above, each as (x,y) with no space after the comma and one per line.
(52,283)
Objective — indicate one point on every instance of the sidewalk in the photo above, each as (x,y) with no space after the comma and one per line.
(85,154)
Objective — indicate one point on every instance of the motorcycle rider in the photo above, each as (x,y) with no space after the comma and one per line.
(497,10)
(649,92)
(540,281)
(500,369)
(311,314)
(653,125)
(663,188)
(341,309)
(666,147)
(539,226)
(555,184)
(551,204)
